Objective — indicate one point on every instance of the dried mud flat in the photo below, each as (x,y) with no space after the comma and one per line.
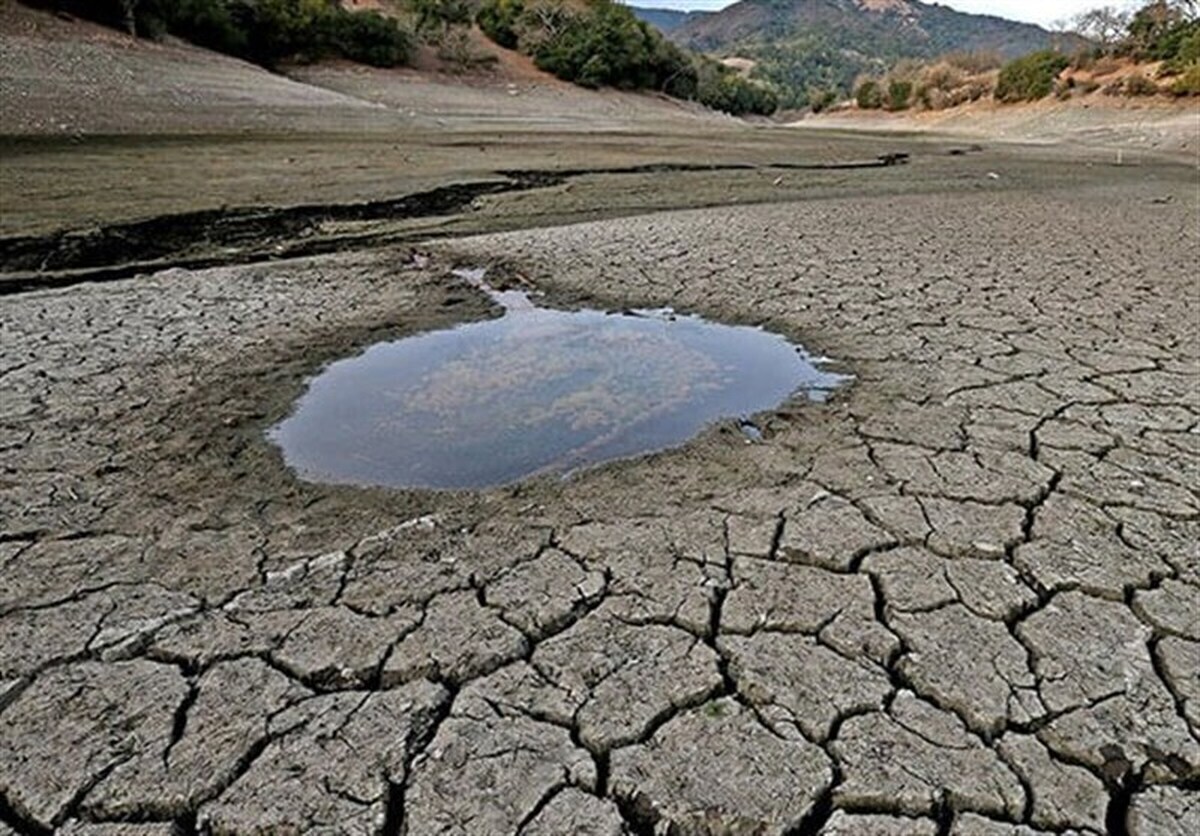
(960,598)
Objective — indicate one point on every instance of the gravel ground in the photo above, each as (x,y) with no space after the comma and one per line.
(961,597)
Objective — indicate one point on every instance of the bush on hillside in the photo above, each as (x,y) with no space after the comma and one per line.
(314,29)
(207,23)
(1186,51)
(868,95)
(942,75)
(1188,82)
(1031,77)
(974,63)
(820,100)
(500,19)
(1156,30)
(263,31)
(1161,30)
(724,89)
(601,43)
(899,94)
(609,47)
(439,16)
(370,38)
(1139,85)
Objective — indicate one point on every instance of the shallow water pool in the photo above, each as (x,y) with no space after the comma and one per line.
(535,391)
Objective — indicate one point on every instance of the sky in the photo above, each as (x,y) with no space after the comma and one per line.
(1045,12)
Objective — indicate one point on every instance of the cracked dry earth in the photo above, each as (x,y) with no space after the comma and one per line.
(960,598)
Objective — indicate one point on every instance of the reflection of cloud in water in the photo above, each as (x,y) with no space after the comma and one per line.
(490,402)
(594,377)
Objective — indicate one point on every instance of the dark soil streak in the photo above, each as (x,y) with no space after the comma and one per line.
(250,234)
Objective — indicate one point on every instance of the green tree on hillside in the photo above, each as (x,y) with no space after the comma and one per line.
(129,15)
(1030,78)
(263,31)
(600,43)
(438,16)
(1106,26)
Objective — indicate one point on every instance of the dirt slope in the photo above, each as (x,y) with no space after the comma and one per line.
(1141,126)
(66,77)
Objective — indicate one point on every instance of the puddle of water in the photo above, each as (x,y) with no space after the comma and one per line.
(536,391)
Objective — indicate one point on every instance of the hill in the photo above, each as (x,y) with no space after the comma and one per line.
(666,20)
(809,47)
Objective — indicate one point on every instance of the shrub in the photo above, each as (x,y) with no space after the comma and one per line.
(436,17)
(608,47)
(600,43)
(1029,78)
(263,31)
(819,100)
(208,23)
(1139,85)
(1159,30)
(1186,51)
(1188,82)
(974,63)
(499,20)
(724,89)
(933,98)
(942,76)
(1085,58)
(899,94)
(869,96)
(976,90)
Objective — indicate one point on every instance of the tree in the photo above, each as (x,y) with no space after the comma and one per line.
(129,16)
(438,16)
(1105,25)
(868,95)
(1030,77)
(1158,28)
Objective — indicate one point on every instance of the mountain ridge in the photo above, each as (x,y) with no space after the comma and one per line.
(941,24)
(666,20)
(805,46)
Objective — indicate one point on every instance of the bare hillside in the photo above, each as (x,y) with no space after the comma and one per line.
(67,77)
(1152,125)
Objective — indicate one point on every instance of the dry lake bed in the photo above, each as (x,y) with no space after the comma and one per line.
(958,592)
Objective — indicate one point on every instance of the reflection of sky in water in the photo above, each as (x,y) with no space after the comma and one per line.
(537,390)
